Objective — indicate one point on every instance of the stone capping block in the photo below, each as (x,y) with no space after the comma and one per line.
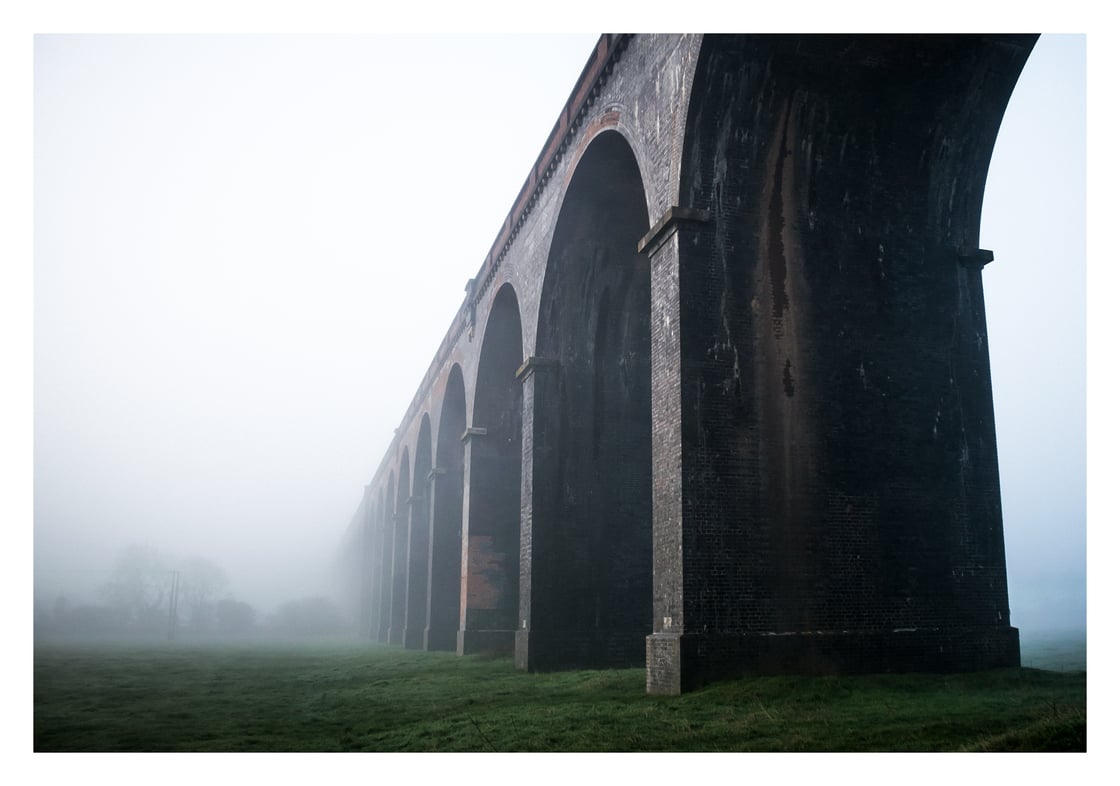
(436,472)
(974,259)
(532,364)
(667,224)
(472,432)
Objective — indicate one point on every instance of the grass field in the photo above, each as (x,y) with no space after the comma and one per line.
(350,696)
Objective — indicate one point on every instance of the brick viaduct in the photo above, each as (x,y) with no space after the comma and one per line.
(718,399)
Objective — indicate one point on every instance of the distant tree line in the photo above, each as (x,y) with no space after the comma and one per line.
(149,593)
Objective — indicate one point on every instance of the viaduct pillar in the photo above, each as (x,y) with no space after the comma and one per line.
(399,572)
(443,576)
(539,456)
(489,585)
(826,493)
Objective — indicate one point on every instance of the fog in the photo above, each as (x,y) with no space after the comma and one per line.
(247,250)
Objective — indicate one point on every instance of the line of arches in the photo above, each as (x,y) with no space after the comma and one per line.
(816,295)
(473,556)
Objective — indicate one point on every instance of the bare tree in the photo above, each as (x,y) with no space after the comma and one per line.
(203,583)
(137,591)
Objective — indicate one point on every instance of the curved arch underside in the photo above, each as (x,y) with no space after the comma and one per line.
(419,523)
(384,542)
(591,501)
(445,556)
(493,499)
(399,525)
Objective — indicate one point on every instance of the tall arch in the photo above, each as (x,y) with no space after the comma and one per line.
(447,518)
(375,546)
(399,525)
(385,563)
(372,601)
(589,536)
(492,504)
(416,592)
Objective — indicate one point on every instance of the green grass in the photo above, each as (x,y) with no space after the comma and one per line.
(359,697)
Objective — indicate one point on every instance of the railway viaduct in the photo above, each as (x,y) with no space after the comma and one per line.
(718,399)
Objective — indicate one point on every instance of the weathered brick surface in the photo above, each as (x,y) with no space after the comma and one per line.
(765,443)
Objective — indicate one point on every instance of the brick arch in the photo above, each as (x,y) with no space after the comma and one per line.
(590,572)
(493,488)
(399,526)
(445,555)
(419,538)
(372,555)
(385,563)
(614,120)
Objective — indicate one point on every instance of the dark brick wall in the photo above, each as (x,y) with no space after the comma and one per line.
(839,465)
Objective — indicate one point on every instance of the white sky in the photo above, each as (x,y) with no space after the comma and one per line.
(248,249)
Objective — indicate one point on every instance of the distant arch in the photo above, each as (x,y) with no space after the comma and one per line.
(400,552)
(372,607)
(445,556)
(385,540)
(416,593)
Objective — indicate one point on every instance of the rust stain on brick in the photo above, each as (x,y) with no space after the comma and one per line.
(777,228)
(484,573)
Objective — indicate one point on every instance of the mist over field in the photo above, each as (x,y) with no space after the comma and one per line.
(237,289)
(248,248)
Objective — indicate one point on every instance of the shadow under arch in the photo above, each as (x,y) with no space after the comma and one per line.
(399,525)
(588,589)
(385,563)
(416,586)
(374,546)
(446,525)
(493,486)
